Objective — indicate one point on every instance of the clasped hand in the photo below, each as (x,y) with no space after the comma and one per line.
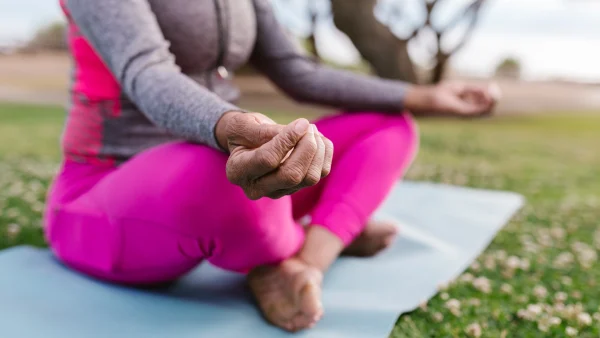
(272,160)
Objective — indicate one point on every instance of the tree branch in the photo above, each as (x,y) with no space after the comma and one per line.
(472,9)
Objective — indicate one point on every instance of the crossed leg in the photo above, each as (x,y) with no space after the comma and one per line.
(163,212)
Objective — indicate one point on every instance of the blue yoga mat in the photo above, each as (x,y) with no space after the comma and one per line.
(444,229)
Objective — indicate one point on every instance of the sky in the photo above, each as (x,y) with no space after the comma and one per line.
(551,38)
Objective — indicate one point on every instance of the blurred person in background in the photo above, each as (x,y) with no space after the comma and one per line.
(162,170)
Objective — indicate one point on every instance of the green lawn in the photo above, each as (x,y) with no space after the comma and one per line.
(539,276)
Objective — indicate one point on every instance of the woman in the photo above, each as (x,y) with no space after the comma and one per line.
(162,170)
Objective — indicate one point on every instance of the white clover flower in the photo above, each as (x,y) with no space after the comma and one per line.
(531,247)
(437,317)
(489,263)
(564,260)
(453,305)
(512,262)
(523,314)
(543,326)
(571,331)
(587,258)
(572,311)
(561,297)
(544,238)
(535,309)
(584,319)
(444,296)
(547,308)
(482,284)
(566,280)
(531,313)
(558,233)
(466,277)
(13,230)
(473,330)
(554,321)
(540,291)
(506,288)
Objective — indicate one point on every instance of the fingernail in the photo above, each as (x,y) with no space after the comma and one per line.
(313,129)
(301,126)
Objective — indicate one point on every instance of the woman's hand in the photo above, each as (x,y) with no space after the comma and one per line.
(271,160)
(453,98)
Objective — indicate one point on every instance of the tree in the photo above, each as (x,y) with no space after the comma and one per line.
(386,51)
(509,68)
(51,37)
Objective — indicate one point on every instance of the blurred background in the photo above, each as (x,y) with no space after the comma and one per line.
(543,143)
(544,53)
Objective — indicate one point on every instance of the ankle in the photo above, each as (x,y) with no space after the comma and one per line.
(321,248)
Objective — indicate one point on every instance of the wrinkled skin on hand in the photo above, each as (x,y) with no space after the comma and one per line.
(271,160)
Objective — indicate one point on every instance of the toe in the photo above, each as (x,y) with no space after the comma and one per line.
(389,240)
(289,326)
(310,300)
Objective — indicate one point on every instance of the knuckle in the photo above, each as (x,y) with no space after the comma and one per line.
(263,135)
(267,159)
(278,147)
(233,174)
(286,141)
(292,176)
(312,179)
(312,146)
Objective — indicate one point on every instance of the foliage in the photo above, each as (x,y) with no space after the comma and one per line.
(48,38)
(509,68)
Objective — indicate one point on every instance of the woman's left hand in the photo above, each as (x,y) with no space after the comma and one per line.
(453,99)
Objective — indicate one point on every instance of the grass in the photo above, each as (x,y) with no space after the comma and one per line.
(539,277)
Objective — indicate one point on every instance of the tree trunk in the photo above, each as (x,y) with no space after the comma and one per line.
(386,53)
(440,68)
(312,40)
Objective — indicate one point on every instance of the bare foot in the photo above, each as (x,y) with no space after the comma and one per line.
(377,236)
(289,295)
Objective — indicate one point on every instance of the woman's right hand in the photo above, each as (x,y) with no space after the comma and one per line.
(453,99)
(271,160)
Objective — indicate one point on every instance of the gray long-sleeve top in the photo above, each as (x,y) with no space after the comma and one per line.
(146,70)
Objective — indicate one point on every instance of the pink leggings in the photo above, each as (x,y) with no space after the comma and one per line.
(163,212)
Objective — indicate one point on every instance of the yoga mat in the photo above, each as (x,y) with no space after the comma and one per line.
(444,229)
